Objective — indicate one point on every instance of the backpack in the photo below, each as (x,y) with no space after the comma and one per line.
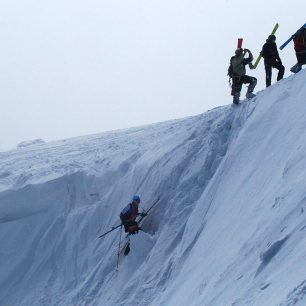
(126,213)
(230,71)
(300,40)
(238,69)
(269,50)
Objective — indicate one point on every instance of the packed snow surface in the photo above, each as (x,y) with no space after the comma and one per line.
(229,228)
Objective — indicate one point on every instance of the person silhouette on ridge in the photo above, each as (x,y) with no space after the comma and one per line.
(237,73)
(272,60)
(299,40)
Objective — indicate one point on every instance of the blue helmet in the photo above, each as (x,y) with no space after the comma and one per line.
(136,198)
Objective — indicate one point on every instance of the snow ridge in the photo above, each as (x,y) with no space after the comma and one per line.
(229,229)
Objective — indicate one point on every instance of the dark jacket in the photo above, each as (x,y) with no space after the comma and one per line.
(269,52)
(129,213)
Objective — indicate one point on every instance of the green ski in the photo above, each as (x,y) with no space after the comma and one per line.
(260,56)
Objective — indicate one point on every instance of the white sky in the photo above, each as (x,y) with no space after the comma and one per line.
(72,67)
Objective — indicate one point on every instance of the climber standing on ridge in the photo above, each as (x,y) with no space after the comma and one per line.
(272,60)
(237,73)
(129,214)
(299,40)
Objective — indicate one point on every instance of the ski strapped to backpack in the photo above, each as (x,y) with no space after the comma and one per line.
(230,71)
(239,43)
(260,56)
(289,39)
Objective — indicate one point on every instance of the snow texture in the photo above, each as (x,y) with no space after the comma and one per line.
(229,228)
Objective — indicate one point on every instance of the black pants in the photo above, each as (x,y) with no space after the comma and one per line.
(301,57)
(245,79)
(273,64)
(130,226)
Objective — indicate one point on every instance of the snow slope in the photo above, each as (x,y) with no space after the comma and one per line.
(229,229)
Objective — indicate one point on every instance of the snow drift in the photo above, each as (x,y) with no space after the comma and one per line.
(229,229)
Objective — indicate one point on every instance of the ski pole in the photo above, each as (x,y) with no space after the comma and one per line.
(119,246)
(112,229)
(150,208)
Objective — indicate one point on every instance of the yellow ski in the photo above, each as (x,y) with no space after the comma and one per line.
(260,56)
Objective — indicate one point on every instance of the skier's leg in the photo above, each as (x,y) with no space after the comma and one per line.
(252,81)
(268,69)
(303,58)
(126,226)
(281,70)
(236,89)
(133,227)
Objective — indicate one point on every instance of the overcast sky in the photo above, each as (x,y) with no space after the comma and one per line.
(72,67)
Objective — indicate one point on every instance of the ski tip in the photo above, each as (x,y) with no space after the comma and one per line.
(239,43)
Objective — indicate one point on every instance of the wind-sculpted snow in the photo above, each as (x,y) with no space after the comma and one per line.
(229,228)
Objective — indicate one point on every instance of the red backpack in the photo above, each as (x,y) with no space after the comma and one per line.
(300,40)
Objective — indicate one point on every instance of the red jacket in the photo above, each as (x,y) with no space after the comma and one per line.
(129,213)
(300,41)
(134,212)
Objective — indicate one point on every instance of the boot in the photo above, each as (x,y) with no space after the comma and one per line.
(127,250)
(251,87)
(280,74)
(236,98)
(250,95)
(296,68)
